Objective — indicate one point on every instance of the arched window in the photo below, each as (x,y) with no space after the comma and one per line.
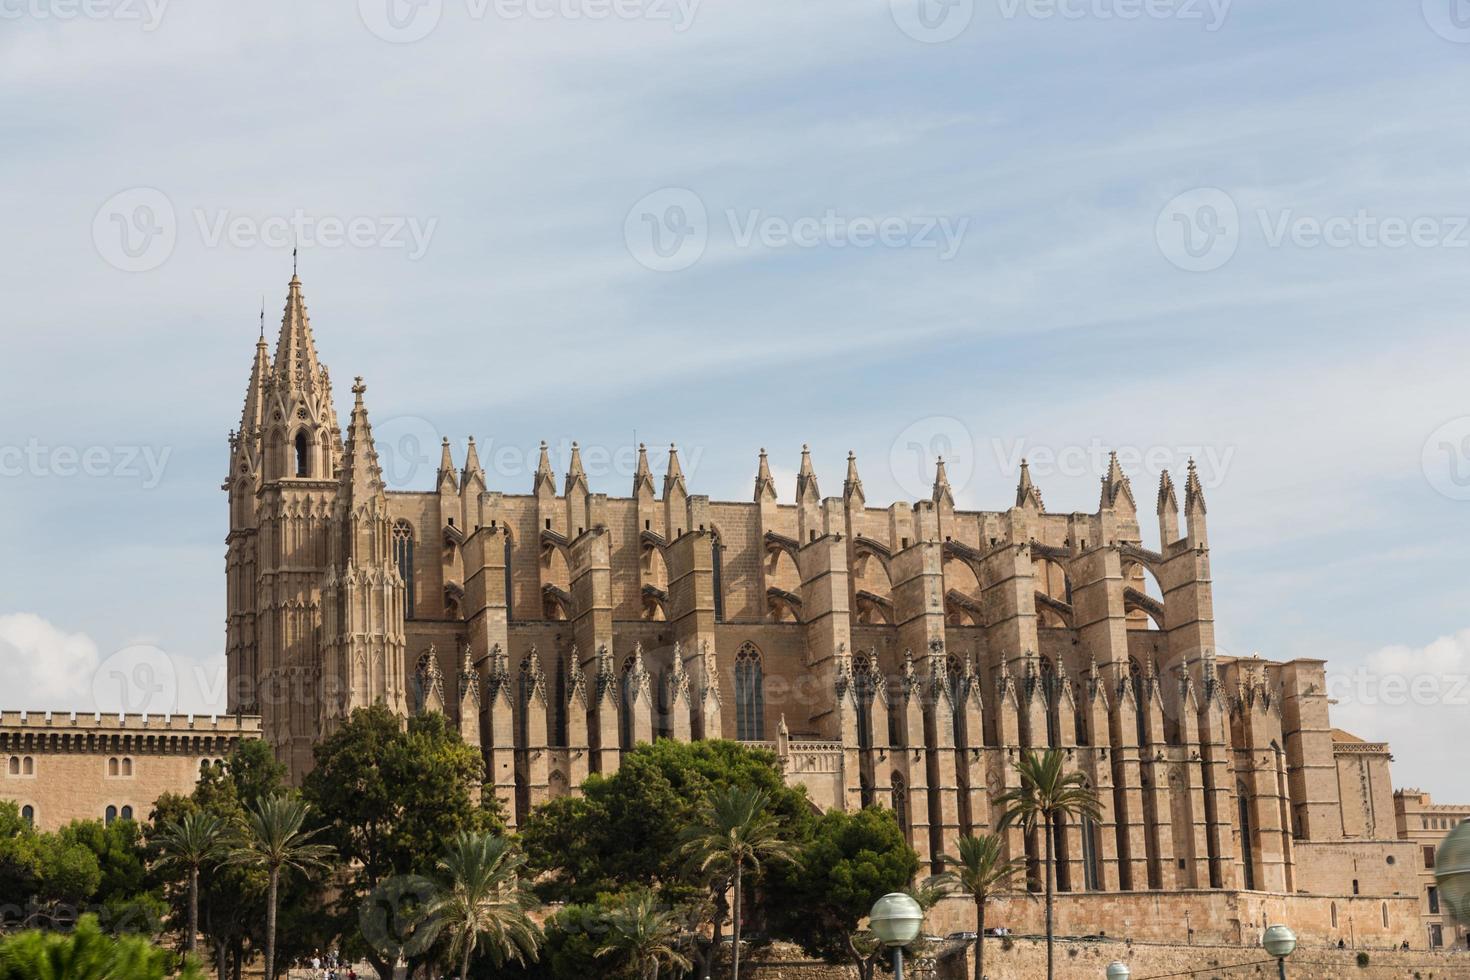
(1052,689)
(750,695)
(717,576)
(110,814)
(28,814)
(1091,862)
(303,454)
(527,692)
(113,768)
(1334,915)
(862,689)
(127,813)
(403,558)
(127,767)
(900,803)
(629,690)
(15,765)
(1247,855)
(28,766)
(559,705)
(509,591)
(1135,676)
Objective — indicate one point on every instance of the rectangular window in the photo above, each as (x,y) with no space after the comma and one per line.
(1433,900)
(1428,856)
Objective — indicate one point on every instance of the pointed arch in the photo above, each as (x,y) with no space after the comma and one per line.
(303,447)
(403,559)
(717,572)
(750,694)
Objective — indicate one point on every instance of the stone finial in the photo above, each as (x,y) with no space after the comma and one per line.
(765,485)
(852,487)
(642,476)
(806,478)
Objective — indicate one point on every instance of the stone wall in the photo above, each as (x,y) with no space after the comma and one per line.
(1213,916)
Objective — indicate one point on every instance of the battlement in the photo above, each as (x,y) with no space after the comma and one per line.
(246,725)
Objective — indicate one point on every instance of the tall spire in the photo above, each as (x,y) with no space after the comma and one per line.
(1168,503)
(576,475)
(296,367)
(446,467)
(675,476)
(544,476)
(942,491)
(1194,492)
(362,477)
(254,412)
(806,478)
(853,485)
(642,476)
(472,469)
(1116,488)
(765,486)
(1026,492)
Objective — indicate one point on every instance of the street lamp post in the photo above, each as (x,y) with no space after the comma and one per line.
(895,920)
(1279,942)
(1118,970)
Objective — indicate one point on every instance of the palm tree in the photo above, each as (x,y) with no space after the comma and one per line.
(734,833)
(191,842)
(980,871)
(484,902)
(646,935)
(274,840)
(1046,794)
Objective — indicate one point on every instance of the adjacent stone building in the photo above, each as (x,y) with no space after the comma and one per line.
(61,767)
(1424,824)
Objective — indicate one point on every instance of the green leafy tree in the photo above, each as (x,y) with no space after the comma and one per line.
(1047,794)
(625,830)
(981,870)
(484,902)
(733,834)
(391,799)
(190,843)
(87,953)
(851,860)
(276,842)
(644,937)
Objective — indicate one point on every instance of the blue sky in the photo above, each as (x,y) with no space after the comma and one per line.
(1232,229)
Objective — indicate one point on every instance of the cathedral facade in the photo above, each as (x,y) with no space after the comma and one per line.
(902,655)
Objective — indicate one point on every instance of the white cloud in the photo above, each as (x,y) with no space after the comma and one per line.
(1418,700)
(42,666)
